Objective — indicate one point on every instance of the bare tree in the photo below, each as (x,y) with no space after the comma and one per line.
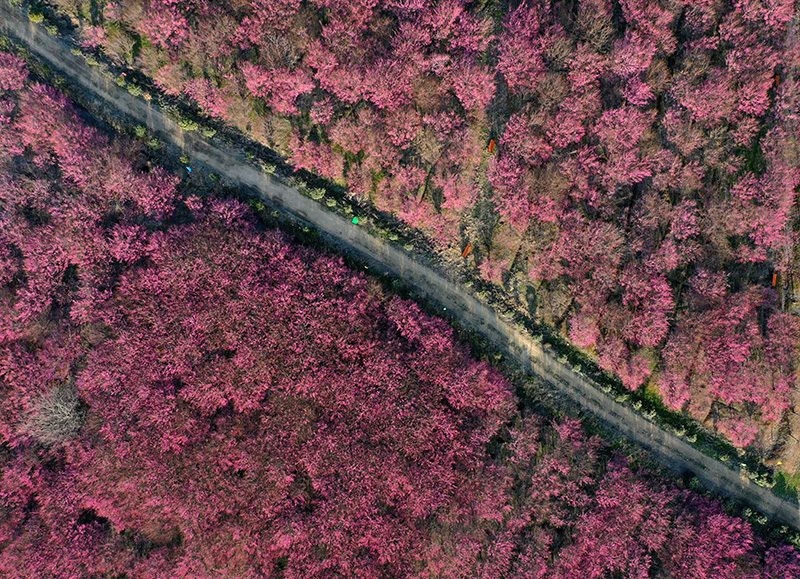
(56,416)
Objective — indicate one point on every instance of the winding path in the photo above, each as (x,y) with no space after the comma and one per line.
(534,358)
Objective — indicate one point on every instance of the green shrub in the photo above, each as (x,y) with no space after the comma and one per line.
(135,90)
(188,124)
(36,17)
(298,183)
(120,80)
(316,193)
(184,159)
(52,29)
(155,144)
(140,131)
(208,132)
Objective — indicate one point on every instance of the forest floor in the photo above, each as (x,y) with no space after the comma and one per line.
(441,287)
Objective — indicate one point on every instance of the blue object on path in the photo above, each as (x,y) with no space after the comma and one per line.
(189,169)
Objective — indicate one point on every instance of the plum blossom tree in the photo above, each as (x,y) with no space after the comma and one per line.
(523,45)
(13,73)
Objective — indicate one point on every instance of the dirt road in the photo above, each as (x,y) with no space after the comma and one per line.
(674,451)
